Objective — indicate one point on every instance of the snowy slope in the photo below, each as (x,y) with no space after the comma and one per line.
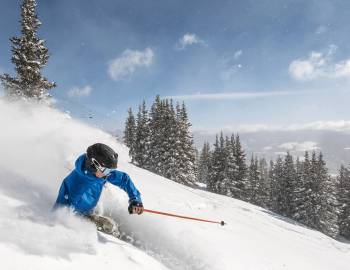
(38,146)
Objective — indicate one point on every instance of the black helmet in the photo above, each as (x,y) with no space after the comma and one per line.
(104,155)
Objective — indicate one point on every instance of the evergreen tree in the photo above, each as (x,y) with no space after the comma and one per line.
(276,194)
(235,186)
(186,165)
(343,192)
(287,187)
(29,55)
(204,165)
(328,212)
(228,184)
(302,191)
(254,181)
(156,127)
(319,208)
(315,182)
(264,187)
(271,201)
(218,164)
(304,202)
(142,137)
(241,184)
(163,142)
(130,132)
(171,155)
(259,182)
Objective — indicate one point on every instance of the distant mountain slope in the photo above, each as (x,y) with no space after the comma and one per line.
(334,145)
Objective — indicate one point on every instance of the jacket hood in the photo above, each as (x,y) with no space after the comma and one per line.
(81,170)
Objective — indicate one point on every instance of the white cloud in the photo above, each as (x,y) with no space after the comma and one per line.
(230,71)
(238,54)
(188,40)
(280,153)
(335,126)
(301,69)
(254,128)
(230,59)
(342,69)
(80,92)
(267,148)
(339,126)
(230,65)
(125,65)
(299,147)
(232,96)
(321,29)
(319,65)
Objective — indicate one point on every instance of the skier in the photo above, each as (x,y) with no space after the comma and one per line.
(82,188)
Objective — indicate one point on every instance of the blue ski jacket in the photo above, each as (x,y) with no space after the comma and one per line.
(81,189)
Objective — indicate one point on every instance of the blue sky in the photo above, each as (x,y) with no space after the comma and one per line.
(235,63)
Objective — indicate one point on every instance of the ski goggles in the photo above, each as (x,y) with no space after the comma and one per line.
(98,166)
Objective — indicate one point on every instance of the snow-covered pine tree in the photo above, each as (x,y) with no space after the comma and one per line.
(271,201)
(218,164)
(304,193)
(228,183)
(264,187)
(287,187)
(241,182)
(254,183)
(130,132)
(235,186)
(343,194)
(170,150)
(276,194)
(316,203)
(196,172)
(204,164)
(301,192)
(29,55)
(328,212)
(186,163)
(156,127)
(321,207)
(142,137)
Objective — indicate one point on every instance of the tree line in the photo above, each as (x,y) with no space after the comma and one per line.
(300,190)
(159,140)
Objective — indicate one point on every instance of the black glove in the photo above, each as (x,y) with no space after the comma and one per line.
(135,207)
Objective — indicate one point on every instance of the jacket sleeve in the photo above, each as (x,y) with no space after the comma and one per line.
(123,181)
(62,198)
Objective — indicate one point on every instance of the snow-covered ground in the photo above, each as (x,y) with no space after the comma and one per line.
(38,147)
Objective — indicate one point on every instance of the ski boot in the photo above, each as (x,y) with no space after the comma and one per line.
(106,225)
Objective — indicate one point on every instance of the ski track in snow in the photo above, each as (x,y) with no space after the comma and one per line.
(38,148)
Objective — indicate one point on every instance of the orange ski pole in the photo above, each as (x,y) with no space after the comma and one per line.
(222,223)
